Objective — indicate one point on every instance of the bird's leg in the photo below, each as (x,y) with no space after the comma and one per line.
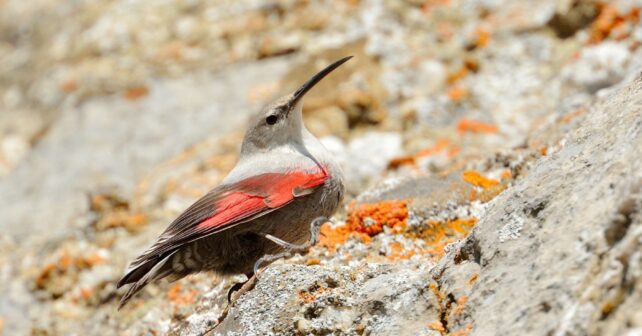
(244,288)
(269,258)
(315,230)
(238,286)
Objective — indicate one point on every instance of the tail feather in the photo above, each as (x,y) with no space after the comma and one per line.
(134,274)
(143,275)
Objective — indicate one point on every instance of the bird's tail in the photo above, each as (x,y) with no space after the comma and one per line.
(157,272)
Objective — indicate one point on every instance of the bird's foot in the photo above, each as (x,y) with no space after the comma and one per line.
(315,231)
(237,286)
(241,288)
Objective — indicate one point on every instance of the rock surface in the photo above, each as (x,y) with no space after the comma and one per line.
(559,252)
(538,262)
(490,148)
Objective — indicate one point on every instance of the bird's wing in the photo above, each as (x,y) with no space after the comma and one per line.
(230,205)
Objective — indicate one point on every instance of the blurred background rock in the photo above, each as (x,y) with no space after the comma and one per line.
(116,115)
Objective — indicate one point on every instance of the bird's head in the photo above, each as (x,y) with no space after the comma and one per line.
(281,122)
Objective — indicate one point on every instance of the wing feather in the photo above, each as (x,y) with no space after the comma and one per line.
(227,206)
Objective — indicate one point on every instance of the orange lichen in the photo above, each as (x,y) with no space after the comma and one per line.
(475,126)
(365,221)
(437,326)
(45,273)
(473,195)
(457,75)
(482,38)
(174,292)
(438,234)
(331,237)
(91,260)
(506,175)
(461,304)
(429,5)
(398,252)
(568,117)
(611,23)
(306,297)
(463,331)
(371,218)
(478,180)
(471,281)
(122,218)
(65,261)
(311,296)
(491,192)
(69,85)
(608,307)
(444,305)
(136,92)
(86,293)
(313,261)
(440,146)
(458,93)
(469,65)
(440,296)
(445,30)
(172,51)
(178,296)
(64,264)
(401,161)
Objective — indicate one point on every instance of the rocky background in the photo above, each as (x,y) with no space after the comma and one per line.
(492,150)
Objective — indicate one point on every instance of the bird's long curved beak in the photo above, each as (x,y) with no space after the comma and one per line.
(298,94)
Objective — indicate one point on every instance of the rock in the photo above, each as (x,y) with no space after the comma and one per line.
(12,150)
(452,115)
(111,124)
(600,66)
(345,300)
(538,262)
(327,121)
(545,263)
(365,157)
(572,16)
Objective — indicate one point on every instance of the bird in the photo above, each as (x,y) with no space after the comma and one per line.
(284,180)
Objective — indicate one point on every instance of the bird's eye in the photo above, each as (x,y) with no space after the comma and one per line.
(271,120)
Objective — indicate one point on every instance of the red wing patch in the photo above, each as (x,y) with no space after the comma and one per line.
(229,205)
(234,205)
(260,193)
